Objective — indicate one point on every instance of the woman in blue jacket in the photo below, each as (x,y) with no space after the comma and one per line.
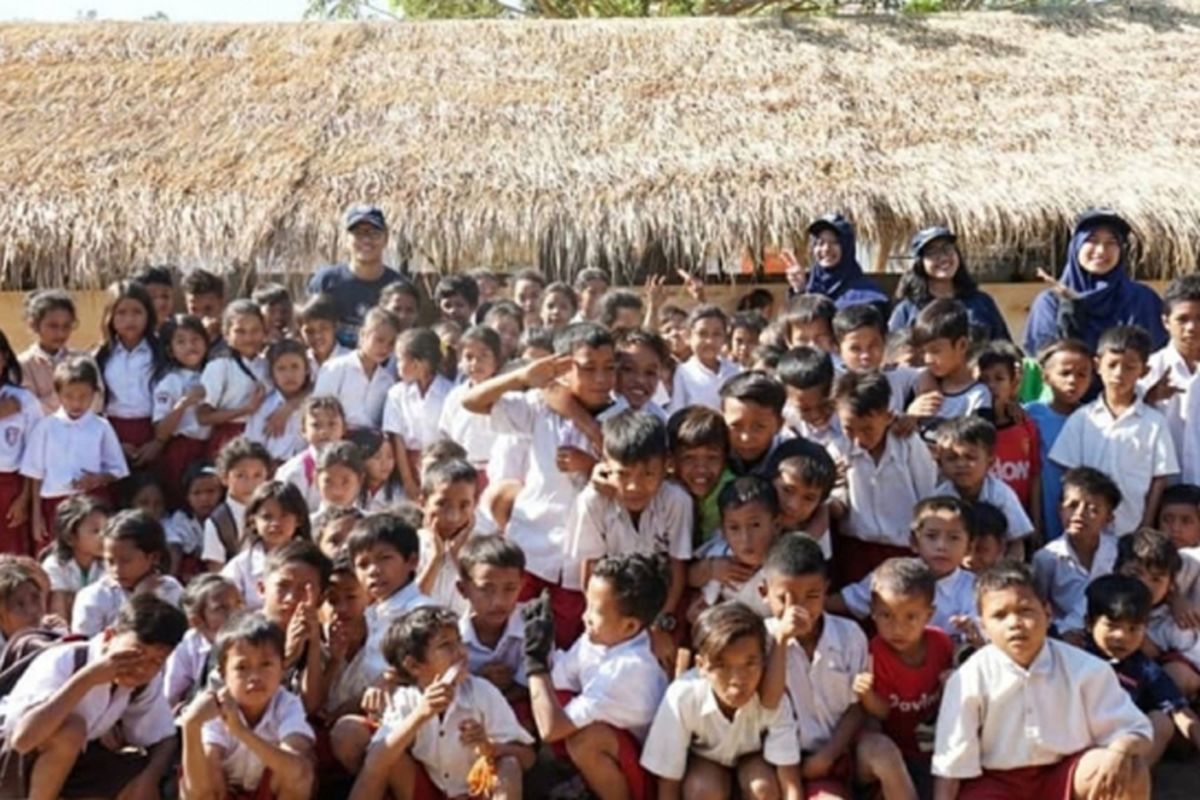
(835,271)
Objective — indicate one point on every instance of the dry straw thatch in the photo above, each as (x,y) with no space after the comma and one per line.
(239,145)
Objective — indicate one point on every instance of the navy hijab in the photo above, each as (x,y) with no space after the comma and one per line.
(844,284)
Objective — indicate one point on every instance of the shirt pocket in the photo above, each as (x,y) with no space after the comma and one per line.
(836,685)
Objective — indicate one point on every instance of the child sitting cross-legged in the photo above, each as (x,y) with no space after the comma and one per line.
(444,721)
(250,735)
(492,629)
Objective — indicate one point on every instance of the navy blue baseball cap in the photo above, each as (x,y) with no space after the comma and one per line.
(926,235)
(371,215)
(1097,217)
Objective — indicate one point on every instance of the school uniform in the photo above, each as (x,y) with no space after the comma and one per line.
(750,593)
(314,368)
(185,532)
(301,471)
(437,745)
(37,374)
(1003,727)
(98,604)
(1175,409)
(15,431)
(69,576)
(384,498)
(283,717)
(1132,449)
(352,682)
(414,417)
(380,615)
(472,431)
(1063,580)
(286,444)
(965,402)
(600,526)
(690,721)
(129,401)
(189,443)
(999,494)
(509,650)
(1049,425)
(229,382)
(245,571)
(61,449)
(1187,581)
(828,434)
(362,397)
(903,382)
(654,409)
(1190,455)
(444,591)
(509,458)
(1179,643)
(185,668)
(214,548)
(954,596)
(697,385)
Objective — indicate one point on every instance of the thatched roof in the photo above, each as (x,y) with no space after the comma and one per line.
(234,144)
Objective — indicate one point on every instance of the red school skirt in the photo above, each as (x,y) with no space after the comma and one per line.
(222,434)
(14,539)
(180,453)
(133,432)
(854,559)
(566,607)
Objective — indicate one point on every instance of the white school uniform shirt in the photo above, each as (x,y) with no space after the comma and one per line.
(145,719)
(127,378)
(821,689)
(283,717)
(69,576)
(1063,580)
(697,385)
(245,570)
(996,715)
(97,605)
(185,666)
(600,526)
(1190,456)
(352,682)
(879,498)
(830,434)
(509,459)
(1175,409)
(1168,636)
(314,369)
(954,596)
(621,685)
(213,549)
(1132,449)
(301,471)
(1187,582)
(509,650)
(174,385)
(228,386)
(902,380)
(1001,495)
(384,498)
(473,431)
(437,745)
(60,450)
(16,429)
(415,417)
(362,398)
(286,444)
(379,615)
(185,531)
(445,582)
(690,720)
(750,593)
(539,517)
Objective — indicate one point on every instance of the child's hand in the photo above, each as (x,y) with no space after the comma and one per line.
(204,706)
(1052,283)
(904,425)
(339,641)
(539,634)
(147,453)
(692,284)
(840,471)
(1184,613)
(18,512)
(90,481)
(119,664)
(729,572)
(603,483)
(542,371)
(1113,773)
(697,607)
(55,622)
(376,701)
(276,422)
(964,625)
(437,698)
(654,291)
(41,537)
(230,714)
(9,406)
(794,622)
(572,459)
(864,682)
(925,405)
(498,673)
(1162,390)
(472,733)
(256,399)
(192,397)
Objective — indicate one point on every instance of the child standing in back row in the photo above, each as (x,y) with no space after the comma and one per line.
(698,380)
(50,315)
(360,380)
(414,405)
(178,392)
(948,387)
(128,360)
(19,413)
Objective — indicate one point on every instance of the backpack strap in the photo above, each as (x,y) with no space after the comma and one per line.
(227,530)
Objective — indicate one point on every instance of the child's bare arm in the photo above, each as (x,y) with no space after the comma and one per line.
(412,489)
(563,403)
(372,781)
(480,399)
(552,722)
(819,763)
(1157,486)
(677,585)
(791,786)
(523,753)
(669,789)
(945,789)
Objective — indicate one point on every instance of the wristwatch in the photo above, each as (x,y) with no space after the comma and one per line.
(665,622)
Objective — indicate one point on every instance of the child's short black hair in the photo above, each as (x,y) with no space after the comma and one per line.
(203,588)
(238,450)
(564,290)
(448,471)
(906,577)
(1121,338)
(460,284)
(271,294)
(581,334)
(1072,346)
(954,505)
(722,625)
(808,461)
(767,356)
(590,274)
(969,430)
(319,307)
(1001,352)
(747,490)
(640,337)
(807,367)
(442,449)
(1181,494)
(809,308)
(944,318)
(201,281)
(1120,598)
(696,426)
(756,300)
(860,315)
(142,531)
(152,621)
(490,551)
(988,520)
(707,311)
(13,576)
(409,636)
(1149,549)
(1004,574)
(671,313)
(638,581)
(748,320)
(863,393)
(634,437)
(758,387)
(345,454)
(384,528)
(537,338)
(795,555)
(157,275)
(397,287)
(41,303)
(1184,289)
(1093,481)
(614,301)
(77,369)
(530,275)
(250,627)
(322,402)
(299,551)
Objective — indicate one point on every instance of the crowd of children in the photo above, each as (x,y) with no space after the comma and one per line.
(586,541)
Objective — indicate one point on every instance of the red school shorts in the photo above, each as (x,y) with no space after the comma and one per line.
(1049,782)
(854,559)
(629,755)
(566,606)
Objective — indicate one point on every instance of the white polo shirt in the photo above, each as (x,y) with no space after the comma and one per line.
(1187,582)
(69,576)
(301,471)
(539,517)
(620,685)
(16,429)
(60,450)
(830,434)
(1063,580)
(286,444)
(954,596)
(97,605)
(995,715)
(351,683)
(509,650)
(697,385)
(1001,495)
(1174,409)
(228,386)
(1132,449)
(509,458)
(413,416)
(380,615)
(362,398)
(245,570)
(167,392)
(690,720)
(283,717)
(600,526)
(473,431)
(822,689)
(751,593)
(185,666)
(437,744)
(879,498)
(145,720)
(127,376)
(213,549)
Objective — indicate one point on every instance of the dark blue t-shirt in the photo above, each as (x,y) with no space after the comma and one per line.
(353,295)
(1150,687)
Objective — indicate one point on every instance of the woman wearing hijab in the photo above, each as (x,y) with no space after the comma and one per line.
(1095,291)
(835,271)
(937,272)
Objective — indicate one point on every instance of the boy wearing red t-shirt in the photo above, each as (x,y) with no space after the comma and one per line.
(1018,461)
(902,686)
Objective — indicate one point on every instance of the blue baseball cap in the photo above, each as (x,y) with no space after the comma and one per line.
(926,235)
(371,215)
(1106,217)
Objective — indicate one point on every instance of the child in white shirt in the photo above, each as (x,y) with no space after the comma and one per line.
(381,487)
(450,490)
(275,515)
(478,361)
(208,601)
(242,466)
(340,474)
(804,477)
(642,357)
(346,633)
(492,629)
(235,383)
(322,422)
(202,493)
(360,380)
(78,556)
(276,423)
(414,405)
(177,395)
(317,321)
(698,380)
(21,413)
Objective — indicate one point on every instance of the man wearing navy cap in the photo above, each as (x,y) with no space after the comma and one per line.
(355,287)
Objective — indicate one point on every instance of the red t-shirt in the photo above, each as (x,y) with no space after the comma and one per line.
(1017,457)
(913,693)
